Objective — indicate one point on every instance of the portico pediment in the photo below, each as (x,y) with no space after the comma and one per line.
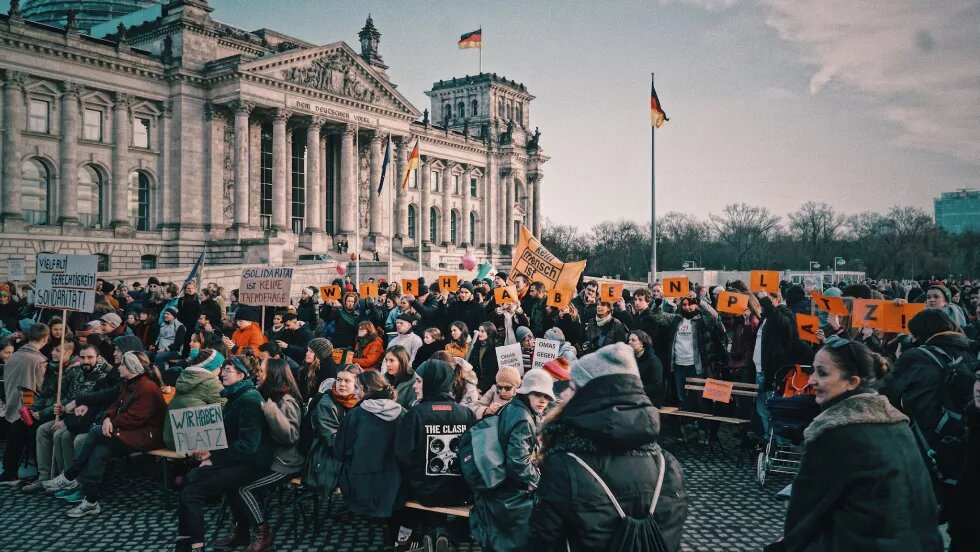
(334,69)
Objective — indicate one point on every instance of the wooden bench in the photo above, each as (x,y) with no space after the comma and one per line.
(748,390)
(167,456)
(461,511)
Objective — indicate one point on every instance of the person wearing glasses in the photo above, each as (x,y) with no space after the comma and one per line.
(862,484)
(508,380)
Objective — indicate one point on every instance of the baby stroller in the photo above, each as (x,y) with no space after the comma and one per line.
(791,409)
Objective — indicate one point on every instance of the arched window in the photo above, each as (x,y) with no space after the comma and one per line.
(474,108)
(36,182)
(472,236)
(139,201)
(148,262)
(433,224)
(447,111)
(461,110)
(453,221)
(103,263)
(90,197)
(412,222)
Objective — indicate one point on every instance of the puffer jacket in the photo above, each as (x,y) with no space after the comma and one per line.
(194,387)
(365,444)
(470,395)
(597,336)
(283,417)
(368,355)
(612,426)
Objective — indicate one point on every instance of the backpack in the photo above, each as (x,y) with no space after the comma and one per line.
(944,446)
(634,534)
(487,470)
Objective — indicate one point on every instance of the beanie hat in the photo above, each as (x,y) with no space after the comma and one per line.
(112,319)
(944,290)
(795,294)
(467,286)
(208,359)
(92,325)
(537,381)
(617,358)
(133,363)
(321,347)
(423,290)
(833,292)
(172,310)
(153,280)
(555,334)
(406,317)
(558,368)
(509,375)
(858,291)
(128,343)
(502,274)
(239,364)
(523,332)
(246,314)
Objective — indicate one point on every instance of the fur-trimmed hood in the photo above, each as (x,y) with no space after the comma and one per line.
(863,408)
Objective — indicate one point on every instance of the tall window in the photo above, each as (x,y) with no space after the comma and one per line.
(36,181)
(436,181)
(93,125)
(456,184)
(333,171)
(461,110)
(141,132)
(139,201)
(472,228)
(510,110)
(104,264)
(519,114)
(148,262)
(433,224)
(473,185)
(453,221)
(500,107)
(89,197)
(447,111)
(39,116)
(299,185)
(412,222)
(473,108)
(265,177)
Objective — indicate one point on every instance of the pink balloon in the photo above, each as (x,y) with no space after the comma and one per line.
(469,261)
(341,268)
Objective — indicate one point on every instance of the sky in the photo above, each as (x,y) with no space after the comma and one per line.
(863,105)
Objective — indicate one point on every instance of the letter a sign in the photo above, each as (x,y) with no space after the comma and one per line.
(807,326)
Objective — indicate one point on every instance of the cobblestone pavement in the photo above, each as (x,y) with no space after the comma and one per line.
(728,511)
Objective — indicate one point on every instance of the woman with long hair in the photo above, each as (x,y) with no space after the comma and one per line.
(483,356)
(399,374)
(327,409)
(464,383)
(651,370)
(368,347)
(432,341)
(318,366)
(459,339)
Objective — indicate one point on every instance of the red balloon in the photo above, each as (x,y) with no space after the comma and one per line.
(469,261)
(341,268)
(353,256)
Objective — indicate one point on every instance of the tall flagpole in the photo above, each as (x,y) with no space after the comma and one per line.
(419,180)
(357,207)
(391,204)
(653,199)
(481,50)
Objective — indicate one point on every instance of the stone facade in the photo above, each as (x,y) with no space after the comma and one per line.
(183,132)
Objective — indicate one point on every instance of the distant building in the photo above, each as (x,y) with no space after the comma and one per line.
(959,211)
(88,13)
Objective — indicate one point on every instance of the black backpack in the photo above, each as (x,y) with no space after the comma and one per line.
(634,534)
(944,446)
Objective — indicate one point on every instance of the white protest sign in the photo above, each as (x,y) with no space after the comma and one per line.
(66,282)
(544,350)
(198,428)
(265,286)
(510,355)
(15,269)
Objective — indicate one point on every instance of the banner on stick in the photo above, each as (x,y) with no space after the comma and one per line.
(265,286)
(539,265)
(66,282)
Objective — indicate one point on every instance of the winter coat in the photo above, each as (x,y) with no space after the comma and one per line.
(499,518)
(652,375)
(24,369)
(283,417)
(409,340)
(539,318)
(572,327)
(470,395)
(405,393)
(612,426)
(426,351)
(246,430)
(585,312)
(322,468)
(212,310)
(194,387)
(251,336)
(428,312)
(307,313)
(345,324)
(743,346)
(171,337)
(597,336)
(365,443)
(45,398)
(368,356)
(499,320)
(876,497)
(296,342)
(483,358)
(137,414)
(708,335)
(781,345)
(469,312)
(458,351)
(492,396)
(963,527)
(189,310)
(425,436)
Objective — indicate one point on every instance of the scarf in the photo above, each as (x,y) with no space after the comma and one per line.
(603,321)
(347,402)
(350,317)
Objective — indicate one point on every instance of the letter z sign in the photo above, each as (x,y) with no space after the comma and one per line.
(868,313)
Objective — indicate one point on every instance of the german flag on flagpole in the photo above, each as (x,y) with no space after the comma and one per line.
(413,163)
(657,115)
(472,40)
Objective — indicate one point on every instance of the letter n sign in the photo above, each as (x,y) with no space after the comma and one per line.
(677,287)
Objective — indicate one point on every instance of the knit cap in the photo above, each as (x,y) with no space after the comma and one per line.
(321,347)
(127,343)
(617,358)
(208,359)
(522,332)
(944,290)
(555,334)
(172,310)
(133,363)
(558,368)
(509,375)
(112,319)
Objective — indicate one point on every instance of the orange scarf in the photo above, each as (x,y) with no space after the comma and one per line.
(347,402)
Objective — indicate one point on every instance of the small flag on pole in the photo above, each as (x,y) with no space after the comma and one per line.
(472,40)
(657,115)
(384,165)
(413,163)
(195,271)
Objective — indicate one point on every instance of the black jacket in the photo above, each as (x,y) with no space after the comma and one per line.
(297,341)
(427,438)
(426,351)
(246,430)
(469,312)
(963,527)
(585,312)
(365,443)
(597,336)
(211,309)
(189,310)
(781,345)
(483,357)
(612,426)
(652,375)
(708,332)
(306,311)
(428,311)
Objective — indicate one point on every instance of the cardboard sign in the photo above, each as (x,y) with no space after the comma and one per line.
(506,294)
(718,390)
(610,292)
(897,316)
(807,326)
(368,290)
(342,356)
(198,428)
(449,283)
(330,293)
(410,287)
(826,303)
(559,298)
(510,355)
(265,286)
(66,282)
(764,280)
(868,313)
(677,287)
(537,263)
(15,269)
(545,350)
(732,303)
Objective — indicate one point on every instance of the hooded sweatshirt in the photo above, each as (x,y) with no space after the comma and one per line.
(425,448)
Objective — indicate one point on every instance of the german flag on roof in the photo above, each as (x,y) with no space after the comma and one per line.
(472,40)
(657,115)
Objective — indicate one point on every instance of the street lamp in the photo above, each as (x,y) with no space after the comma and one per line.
(689,265)
(838,261)
(814,265)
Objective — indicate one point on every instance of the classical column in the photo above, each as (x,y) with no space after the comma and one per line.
(401,198)
(313,206)
(426,168)
(215,143)
(375,223)
(242,110)
(280,168)
(14,121)
(348,182)
(491,179)
(120,150)
(447,205)
(509,210)
(68,200)
(465,223)
(536,205)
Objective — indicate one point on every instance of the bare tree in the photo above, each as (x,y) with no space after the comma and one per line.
(745,230)
(562,240)
(619,248)
(681,237)
(816,226)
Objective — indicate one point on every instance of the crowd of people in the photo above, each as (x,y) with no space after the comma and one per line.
(373,395)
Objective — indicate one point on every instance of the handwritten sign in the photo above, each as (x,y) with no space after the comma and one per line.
(266,286)
(677,287)
(368,290)
(897,316)
(545,350)
(198,428)
(559,298)
(732,303)
(66,282)
(764,280)
(717,390)
(807,326)
(15,269)
(537,263)
(610,292)
(330,293)
(506,294)
(410,287)
(868,313)
(448,282)
(827,303)
(510,355)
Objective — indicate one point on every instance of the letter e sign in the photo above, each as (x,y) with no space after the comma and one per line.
(610,292)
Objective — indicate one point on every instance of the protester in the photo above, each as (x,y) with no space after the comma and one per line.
(345,316)
(939,297)
(306,309)
(459,343)
(585,301)
(603,329)
(432,341)
(464,383)
(651,371)
(535,306)
(566,350)
(368,347)
(506,319)
(508,380)
(483,356)
(400,376)
(964,531)
(171,339)
(247,334)
(776,345)
(295,339)
(318,366)
(23,373)
(197,385)
(326,411)
(406,337)
(465,309)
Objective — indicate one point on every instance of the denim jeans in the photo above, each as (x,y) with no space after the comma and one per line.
(760,403)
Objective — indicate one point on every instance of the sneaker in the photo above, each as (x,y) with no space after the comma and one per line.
(70,496)
(86,508)
(59,483)
(442,544)
(31,488)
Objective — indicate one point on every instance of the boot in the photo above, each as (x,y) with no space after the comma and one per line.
(238,536)
(263,539)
